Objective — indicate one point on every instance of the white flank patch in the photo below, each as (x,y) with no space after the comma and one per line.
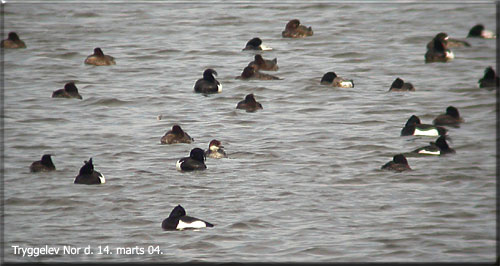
(196,224)
(219,88)
(103,180)
(488,34)
(265,48)
(178,165)
(346,84)
(450,55)
(429,152)
(433,132)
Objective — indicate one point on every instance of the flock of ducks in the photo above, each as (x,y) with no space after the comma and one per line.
(437,51)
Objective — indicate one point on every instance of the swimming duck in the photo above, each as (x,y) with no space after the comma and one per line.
(69,91)
(478,31)
(98,58)
(195,161)
(250,72)
(176,135)
(178,220)
(256,44)
(249,104)
(215,150)
(294,29)
(89,176)
(440,147)
(450,118)
(260,63)
(332,79)
(399,85)
(13,42)
(398,164)
(414,127)
(490,78)
(43,165)
(208,84)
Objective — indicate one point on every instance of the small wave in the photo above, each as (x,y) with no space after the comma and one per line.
(48,119)
(86,15)
(107,102)
(349,55)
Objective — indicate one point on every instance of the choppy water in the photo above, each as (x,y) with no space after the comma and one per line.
(303,181)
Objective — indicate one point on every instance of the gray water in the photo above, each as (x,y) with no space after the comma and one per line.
(303,179)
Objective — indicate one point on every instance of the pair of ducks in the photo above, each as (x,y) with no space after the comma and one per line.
(87,175)
(97,58)
(414,127)
(438,48)
(196,159)
(208,83)
(293,29)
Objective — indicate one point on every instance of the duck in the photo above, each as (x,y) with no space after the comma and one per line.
(450,118)
(195,161)
(294,29)
(176,135)
(399,85)
(478,31)
(398,164)
(439,147)
(256,44)
(43,165)
(13,41)
(330,78)
(215,150)
(260,63)
(250,72)
(249,104)
(437,49)
(89,176)
(178,220)
(69,91)
(490,78)
(98,58)
(449,42)
(208,84)
(414,127)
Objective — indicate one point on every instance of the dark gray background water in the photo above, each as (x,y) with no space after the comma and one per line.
(303,181)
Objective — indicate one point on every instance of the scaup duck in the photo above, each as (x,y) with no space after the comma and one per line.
(89,176)
(414,127)
(176,135)
(13,41)
(98,58)
(437,50)
(398,164)
(490,78)
(69,91)
(399,85)
(256,44)
(178,220)
(478,31)
(215,150)
(250,72)
(294,29)
(208,84)
(43,165)
(264,64)
(195,161)
(450,118)
(249,104)
(440,147)
(332,79)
